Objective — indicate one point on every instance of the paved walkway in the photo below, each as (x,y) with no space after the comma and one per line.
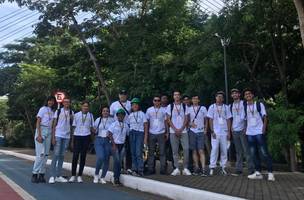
(6,192)
(287,185)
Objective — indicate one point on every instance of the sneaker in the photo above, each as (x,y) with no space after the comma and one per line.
(96,179)
(224,172)
(103,181)
(204,172)
(72,179)
(211,173)
(176,172)
(52,180)
(237,173)
(134,173)
(34,178)
(41,178)
(79,179)
(196,172)
(271,177)
(256,175)
(186,172)
(116,183)
(60,179)
(129,171)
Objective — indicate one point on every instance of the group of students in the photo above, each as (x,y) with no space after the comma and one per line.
(123,130)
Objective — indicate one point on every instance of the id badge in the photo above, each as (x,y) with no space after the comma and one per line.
(252,121)
(221,121)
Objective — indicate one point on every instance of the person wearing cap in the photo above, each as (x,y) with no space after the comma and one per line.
(238,133)
(177,120)
(256,121)
(220,125)
(138,136)
(125,104)
(117,133)
(156,116)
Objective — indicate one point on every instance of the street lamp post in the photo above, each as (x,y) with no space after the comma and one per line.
(225,42)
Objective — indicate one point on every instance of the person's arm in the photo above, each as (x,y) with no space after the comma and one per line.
(110,135)
(206,125)
(39,136)
(211,128)
(229,128)
(170,124)
(54,123)
(186,122)
(146,131)
(265,122)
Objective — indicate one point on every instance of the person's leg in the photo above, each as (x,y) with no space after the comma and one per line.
(224,150)
(246,153)
(76,152)
(64,146)
(106,160)
(83,153)
(214,151)
(139,152)
(116,160)
(239,151)
(47,145)
(99,154)
(128,154)
(192,147)
(175,145)
(55,157)
(162,154)
(253,150)
(185,144)
(39,151)
(132,138)
(262,146)
(200,141)
(151,153)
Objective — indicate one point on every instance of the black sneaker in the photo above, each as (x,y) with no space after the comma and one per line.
(196,172)
(34,178)
(134,173)
(41,178)
(237,173)
(204,172)
(129,172)
(116,183)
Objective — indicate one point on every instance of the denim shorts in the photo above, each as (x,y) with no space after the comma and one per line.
(196,140)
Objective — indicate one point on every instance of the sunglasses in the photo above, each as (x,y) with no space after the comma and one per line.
(156,100)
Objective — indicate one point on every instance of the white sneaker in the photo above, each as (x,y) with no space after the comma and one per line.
(256,176)
(211,172)
(52,180)
(223,171)
(96,179)
(103,181)
(186,172)
(60,179)
(176,172)
(79,179)
(271,177)
(72,179)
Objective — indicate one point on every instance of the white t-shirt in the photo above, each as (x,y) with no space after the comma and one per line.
(178,116)
(137,120)
(119,131)
(63,127)
(219,114)
(115,106)
(156,118)
(46,114)
(83,123)
(104,124)
(254,120)
(238,114)
(199,120)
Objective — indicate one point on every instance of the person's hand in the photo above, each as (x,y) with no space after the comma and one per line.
(229,136)
(39,138)
(53,141)
(193,125)
(178,132)
(166,136)
(213,135)
(264,130)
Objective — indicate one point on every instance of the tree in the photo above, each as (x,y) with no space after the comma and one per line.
(300,10)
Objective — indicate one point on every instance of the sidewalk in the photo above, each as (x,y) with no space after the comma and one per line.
(287,185)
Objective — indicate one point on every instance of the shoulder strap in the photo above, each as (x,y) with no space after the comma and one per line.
(245,108)
(97,129)
(199,108)
(71,118)
(124,108)
(58,113)
(258,106)
(171,107)
(184,107)
(231,107)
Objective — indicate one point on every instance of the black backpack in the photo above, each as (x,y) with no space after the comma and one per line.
(258,106)
(172,106)
(71,117)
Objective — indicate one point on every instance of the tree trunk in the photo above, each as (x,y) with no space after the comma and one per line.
(29,121)
(300,10)
(95,63)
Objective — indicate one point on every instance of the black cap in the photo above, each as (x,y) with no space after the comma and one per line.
(123,92)
(235,90)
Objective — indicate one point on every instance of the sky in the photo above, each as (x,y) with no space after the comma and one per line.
(17,23)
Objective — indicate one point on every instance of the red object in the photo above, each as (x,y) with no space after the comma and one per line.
(59,96)
(7,193)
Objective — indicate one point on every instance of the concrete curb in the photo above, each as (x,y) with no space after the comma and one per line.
(168,190)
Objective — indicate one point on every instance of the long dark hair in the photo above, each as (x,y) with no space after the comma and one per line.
(51,98)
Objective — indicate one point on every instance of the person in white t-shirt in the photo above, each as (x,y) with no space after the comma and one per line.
(61,133)
(156,116)
(83,125)
(102,144)
(220,125)
(125,104)
(43,136)
(117,133)
(138,136)
(256,119)
(177,120)
(238,133)
(198,124)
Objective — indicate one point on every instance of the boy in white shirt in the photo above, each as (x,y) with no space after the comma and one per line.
(256,119)
(220,124)
(198,129)
(138,136)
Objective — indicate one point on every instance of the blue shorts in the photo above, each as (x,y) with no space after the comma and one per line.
(196,140)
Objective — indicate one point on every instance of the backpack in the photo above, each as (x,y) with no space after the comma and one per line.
(258,106)
(172,106)
(71,116)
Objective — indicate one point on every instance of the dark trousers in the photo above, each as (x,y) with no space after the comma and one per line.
(81,144)
(128,155)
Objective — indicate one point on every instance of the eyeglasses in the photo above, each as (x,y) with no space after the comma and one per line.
(156,100)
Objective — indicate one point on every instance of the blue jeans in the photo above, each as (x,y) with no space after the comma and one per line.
(137,145)
(118,156)
(257,144)
(42,150)
(59,150)
(103,150)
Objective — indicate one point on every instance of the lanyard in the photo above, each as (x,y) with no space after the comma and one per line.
(83,119)
(66,115)
(49,114)
(156,112)
(121,124)
(219,111)
(136,118)
(251,109)
(104,124)
(178,109)
(237,108)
